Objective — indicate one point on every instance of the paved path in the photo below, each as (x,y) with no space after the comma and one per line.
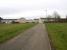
(35,38)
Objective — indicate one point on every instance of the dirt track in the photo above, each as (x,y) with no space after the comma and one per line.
(35,38)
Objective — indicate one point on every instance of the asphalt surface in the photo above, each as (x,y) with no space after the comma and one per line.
(35,38)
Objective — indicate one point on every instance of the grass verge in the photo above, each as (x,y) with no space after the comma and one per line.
(8,31)
(58,35)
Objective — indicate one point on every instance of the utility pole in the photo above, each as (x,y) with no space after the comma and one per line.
(46,12)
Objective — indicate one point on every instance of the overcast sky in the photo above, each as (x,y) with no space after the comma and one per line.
(31,8)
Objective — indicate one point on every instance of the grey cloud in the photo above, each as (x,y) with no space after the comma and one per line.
(4,11)
(13,8)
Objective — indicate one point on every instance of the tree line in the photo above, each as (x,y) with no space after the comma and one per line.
(56,18)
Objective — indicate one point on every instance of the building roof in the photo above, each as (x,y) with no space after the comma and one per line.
(36,19)
(9,19)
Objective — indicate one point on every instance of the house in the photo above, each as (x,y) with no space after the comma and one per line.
(40,21)
(8,20)
(36,20)
(21,20)
(47,19)
(53,20)
(29,21)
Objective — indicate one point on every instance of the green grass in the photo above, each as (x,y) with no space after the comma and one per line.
(8,31)
(58,35)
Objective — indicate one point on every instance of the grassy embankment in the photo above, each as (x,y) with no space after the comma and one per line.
(8,31)
(58,35)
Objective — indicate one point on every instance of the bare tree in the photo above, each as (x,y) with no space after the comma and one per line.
(49,17)
(56,17)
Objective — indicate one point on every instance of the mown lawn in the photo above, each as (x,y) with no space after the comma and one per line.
(58,35)
(8,31)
